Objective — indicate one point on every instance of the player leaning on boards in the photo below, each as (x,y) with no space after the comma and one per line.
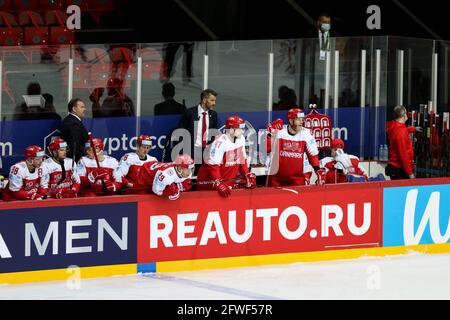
(25,177)
(131,163)
(165,179)
(59,175)
(292,143)
(225,159)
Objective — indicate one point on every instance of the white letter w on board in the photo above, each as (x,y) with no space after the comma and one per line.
(431,214)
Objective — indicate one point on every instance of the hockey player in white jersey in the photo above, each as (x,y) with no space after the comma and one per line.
(25,177)
(166,179)
(59,175)
(131,163)
(97,180)
(226,160)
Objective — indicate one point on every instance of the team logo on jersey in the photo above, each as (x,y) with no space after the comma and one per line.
(292,146)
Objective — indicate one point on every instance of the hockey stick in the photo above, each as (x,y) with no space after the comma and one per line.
(237,180)
(91,142)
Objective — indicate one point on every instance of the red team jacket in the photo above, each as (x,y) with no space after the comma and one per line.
(401,153)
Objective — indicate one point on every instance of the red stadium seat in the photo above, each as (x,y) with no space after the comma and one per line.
(10,33)
(152,63)
(59,34)
(35,31)
(50,5)
(7,5)
(83,4)
(26,5)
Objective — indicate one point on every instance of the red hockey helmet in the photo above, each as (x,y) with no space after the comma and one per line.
(97,143)
(57,144)
(184,161)
(295,113)
(235,122)
(33,151)
(337,144)
(145,140)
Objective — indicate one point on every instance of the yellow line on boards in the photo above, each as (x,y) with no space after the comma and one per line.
(248,261)
(66,274)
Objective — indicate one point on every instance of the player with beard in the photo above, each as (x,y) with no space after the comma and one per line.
(293,145)
(59,175)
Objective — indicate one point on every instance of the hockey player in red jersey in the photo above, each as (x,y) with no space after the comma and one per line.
(166,179)
(131,163)
(225,160)
(25,177)
(293,145)
(97,180)
(340,164)
(59,175)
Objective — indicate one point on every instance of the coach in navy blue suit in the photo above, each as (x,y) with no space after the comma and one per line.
(73,130)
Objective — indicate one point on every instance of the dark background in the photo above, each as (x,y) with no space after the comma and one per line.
(172,20)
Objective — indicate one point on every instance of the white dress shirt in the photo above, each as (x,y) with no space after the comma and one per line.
(199,123)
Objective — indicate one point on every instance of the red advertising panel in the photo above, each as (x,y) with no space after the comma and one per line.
(203,225)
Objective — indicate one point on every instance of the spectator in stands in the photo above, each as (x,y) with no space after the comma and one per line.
(171,58)
(170,105)
(287,99)
(49,110)
(24,111)
(116,103)
(73,131)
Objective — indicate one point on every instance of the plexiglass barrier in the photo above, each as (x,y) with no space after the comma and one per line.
(144,88)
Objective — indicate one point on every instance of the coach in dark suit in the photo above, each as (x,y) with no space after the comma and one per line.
(198,120)
(73,130)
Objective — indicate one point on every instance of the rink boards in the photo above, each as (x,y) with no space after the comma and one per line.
(84,238)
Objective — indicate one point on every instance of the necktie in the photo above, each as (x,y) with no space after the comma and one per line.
(204,129)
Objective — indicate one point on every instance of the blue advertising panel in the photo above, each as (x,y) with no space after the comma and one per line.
(59,237)
(416,215)
(119,133)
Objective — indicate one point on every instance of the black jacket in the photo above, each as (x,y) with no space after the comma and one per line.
(75,134)
(187,122)
(170,106)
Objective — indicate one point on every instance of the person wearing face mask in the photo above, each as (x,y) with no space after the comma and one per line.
(225,160)
(324,26)
(401,152)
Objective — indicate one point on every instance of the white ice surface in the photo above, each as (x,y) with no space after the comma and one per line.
(412,276)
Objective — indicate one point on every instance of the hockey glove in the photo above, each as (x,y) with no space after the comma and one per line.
(321,174)
(35,196)
(172,191)
(251,180)
(343,162)
(96,176)
(274,126)
(223,189)
(186,185)
(110,186)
